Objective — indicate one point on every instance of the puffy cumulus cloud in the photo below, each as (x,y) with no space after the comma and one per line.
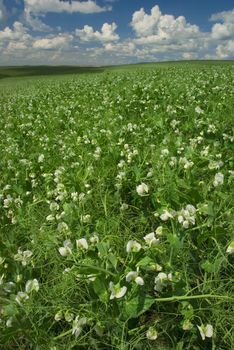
(3,11)
(13,40)
(44,6)
(34,9)
(190,55)
(225,50)
(56,42)
(35,22)
(16,45)
(224,30)
(106,34)
(156,27)
(124,48)
(19,32)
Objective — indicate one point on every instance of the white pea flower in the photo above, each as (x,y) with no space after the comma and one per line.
(21,297)
(186,224)
(32,285)
(198,110)
(133,246)
(206,331)
(74,196)
(186,216)
(50,217)
(9,322)
(58,316)
(159,231)
(152,334)
(164,153)
(54,206)
(41,158)
(66,249)
(94,239)
(133,276)
(69,316)
(139,281)
(82,244)
(116,291)
(85,218)
(151,239)
(142,189)
(77,325)
(62,227)
(23,256)
(230,248)
(161,281)
(124,206)
(191,209)
(218,180)
(166,215)
(187,325)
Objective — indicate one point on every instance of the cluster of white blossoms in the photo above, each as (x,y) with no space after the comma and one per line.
(187,164)
(199,110)
(24,256)
(117,291)
(186,216)
(133,246)
(142,189)
(31,285)
(150,239)
(205,331)
(97,153)
(152,333)
(162,280)
(85,219)
(230,248)
(166,215)
(134,276)
(81,245)
(218,180)
(78,324)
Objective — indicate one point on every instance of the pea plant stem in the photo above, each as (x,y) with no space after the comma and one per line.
(187,297)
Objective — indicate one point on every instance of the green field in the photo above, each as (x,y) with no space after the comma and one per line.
(116,201)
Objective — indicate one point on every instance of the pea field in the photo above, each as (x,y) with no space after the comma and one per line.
(116,209)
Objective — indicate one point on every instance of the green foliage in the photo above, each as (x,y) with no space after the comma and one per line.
(116,201)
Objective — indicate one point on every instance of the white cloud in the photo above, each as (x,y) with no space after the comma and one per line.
(19,32)
(44,6)
(38,8)
(226,50)
(12,40)
(189,55)
(57,42)
(35,23)
(223,30)
(157,27)
(16,45)
(158,37)
(106,34)
(125,48)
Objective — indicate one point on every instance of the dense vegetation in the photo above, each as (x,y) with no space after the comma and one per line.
(116,200)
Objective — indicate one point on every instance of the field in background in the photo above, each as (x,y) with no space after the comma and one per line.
(27,71)
(116,201)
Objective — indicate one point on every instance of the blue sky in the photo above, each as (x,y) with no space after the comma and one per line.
(114,31)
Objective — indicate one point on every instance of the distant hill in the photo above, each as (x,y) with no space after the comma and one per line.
(25,71)
(12,72)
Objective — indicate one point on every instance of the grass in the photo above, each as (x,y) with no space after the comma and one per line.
(91,165)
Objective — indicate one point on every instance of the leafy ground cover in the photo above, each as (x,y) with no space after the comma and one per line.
(116,200)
